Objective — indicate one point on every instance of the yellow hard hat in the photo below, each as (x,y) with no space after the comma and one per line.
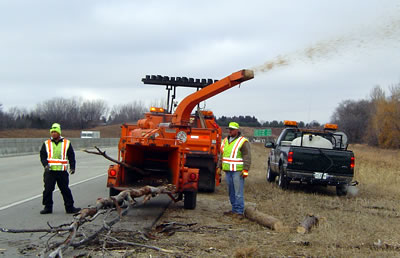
(233,125)
(56,127)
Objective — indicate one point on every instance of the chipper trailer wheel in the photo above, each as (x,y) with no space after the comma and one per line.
(189,200)
(114,192)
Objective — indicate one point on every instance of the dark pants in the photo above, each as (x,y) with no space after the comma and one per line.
(50,179)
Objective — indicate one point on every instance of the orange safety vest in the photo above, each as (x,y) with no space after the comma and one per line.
(57,154)
(231,155)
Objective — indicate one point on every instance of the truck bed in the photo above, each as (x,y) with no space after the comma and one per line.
(311,160)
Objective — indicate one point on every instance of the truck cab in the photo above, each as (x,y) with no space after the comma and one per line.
(311,156)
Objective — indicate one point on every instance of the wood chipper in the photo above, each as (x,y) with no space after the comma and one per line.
(178,148)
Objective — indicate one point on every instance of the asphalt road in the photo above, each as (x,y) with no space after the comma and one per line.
(21,188)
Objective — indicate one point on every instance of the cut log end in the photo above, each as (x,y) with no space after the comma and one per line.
(301,230)
(309,222)
(263,219)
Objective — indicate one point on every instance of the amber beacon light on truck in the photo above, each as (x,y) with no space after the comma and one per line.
(290,123)
(157,110)
(332,127)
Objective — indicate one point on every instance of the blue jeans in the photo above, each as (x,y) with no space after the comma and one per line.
(236,190)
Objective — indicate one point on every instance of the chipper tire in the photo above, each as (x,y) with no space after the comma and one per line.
(114,192)
(207,180)
(189,200)
(207,167)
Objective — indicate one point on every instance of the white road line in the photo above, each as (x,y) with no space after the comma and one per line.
(40,195)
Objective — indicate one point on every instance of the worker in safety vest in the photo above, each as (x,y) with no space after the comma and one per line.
(55,155)
(235,160)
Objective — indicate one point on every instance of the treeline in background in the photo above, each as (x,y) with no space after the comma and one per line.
(73,113)
(251,121)
(375,121)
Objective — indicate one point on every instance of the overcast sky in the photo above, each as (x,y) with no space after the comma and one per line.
(328,51)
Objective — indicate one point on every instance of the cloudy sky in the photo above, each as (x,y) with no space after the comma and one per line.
(308,55)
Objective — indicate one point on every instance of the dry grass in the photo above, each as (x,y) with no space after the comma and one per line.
(350,227)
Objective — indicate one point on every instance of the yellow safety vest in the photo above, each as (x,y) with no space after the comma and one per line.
(57,154)
(231,155)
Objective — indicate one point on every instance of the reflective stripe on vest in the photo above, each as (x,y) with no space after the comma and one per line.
(231,155)
(57,155)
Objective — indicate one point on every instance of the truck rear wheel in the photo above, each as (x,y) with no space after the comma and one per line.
(283,182)
(189,200)
(341,190)
(270,175)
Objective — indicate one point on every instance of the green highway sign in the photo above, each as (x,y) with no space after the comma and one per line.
(262,132)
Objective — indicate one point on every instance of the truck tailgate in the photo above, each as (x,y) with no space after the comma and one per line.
(310,159)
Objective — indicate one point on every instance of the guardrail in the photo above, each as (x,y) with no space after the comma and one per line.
(25,146)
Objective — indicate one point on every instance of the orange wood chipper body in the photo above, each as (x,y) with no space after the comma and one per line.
(178,148)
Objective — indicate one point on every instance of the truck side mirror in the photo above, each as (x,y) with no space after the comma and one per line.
(269,145)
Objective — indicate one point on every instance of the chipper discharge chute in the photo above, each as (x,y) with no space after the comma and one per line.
(178,148)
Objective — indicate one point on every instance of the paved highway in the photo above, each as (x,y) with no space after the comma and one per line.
(21,188)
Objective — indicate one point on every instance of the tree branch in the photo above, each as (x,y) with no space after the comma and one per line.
(103,153)
(116,241)
(90,213)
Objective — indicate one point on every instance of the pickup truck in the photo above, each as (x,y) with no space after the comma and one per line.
(312,156)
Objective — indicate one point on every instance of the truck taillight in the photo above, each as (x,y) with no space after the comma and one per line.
(193,177)
(290,157)
(352,159)
(112,173)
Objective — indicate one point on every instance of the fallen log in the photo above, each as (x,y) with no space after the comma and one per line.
(263,219)
(307,224)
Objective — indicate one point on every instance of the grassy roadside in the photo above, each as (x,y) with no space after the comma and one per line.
(365,225)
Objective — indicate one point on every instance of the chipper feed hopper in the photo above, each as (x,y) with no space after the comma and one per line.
(178,148)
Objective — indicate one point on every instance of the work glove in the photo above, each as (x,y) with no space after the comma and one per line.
(72,171)
(47,168)
(219,172)
(244,173)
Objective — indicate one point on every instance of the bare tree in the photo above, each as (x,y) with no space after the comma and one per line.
(313,124)
(91,112)
(161,103)
(3,118)
(353,117)
(385,122)
(60,110)
(127,112)
(377,95)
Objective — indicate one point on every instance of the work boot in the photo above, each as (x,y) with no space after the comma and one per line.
(46,210)
(238,216)
(72,209)
(228,213)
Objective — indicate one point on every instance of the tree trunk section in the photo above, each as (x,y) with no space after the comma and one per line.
(307,224)
(263,219)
